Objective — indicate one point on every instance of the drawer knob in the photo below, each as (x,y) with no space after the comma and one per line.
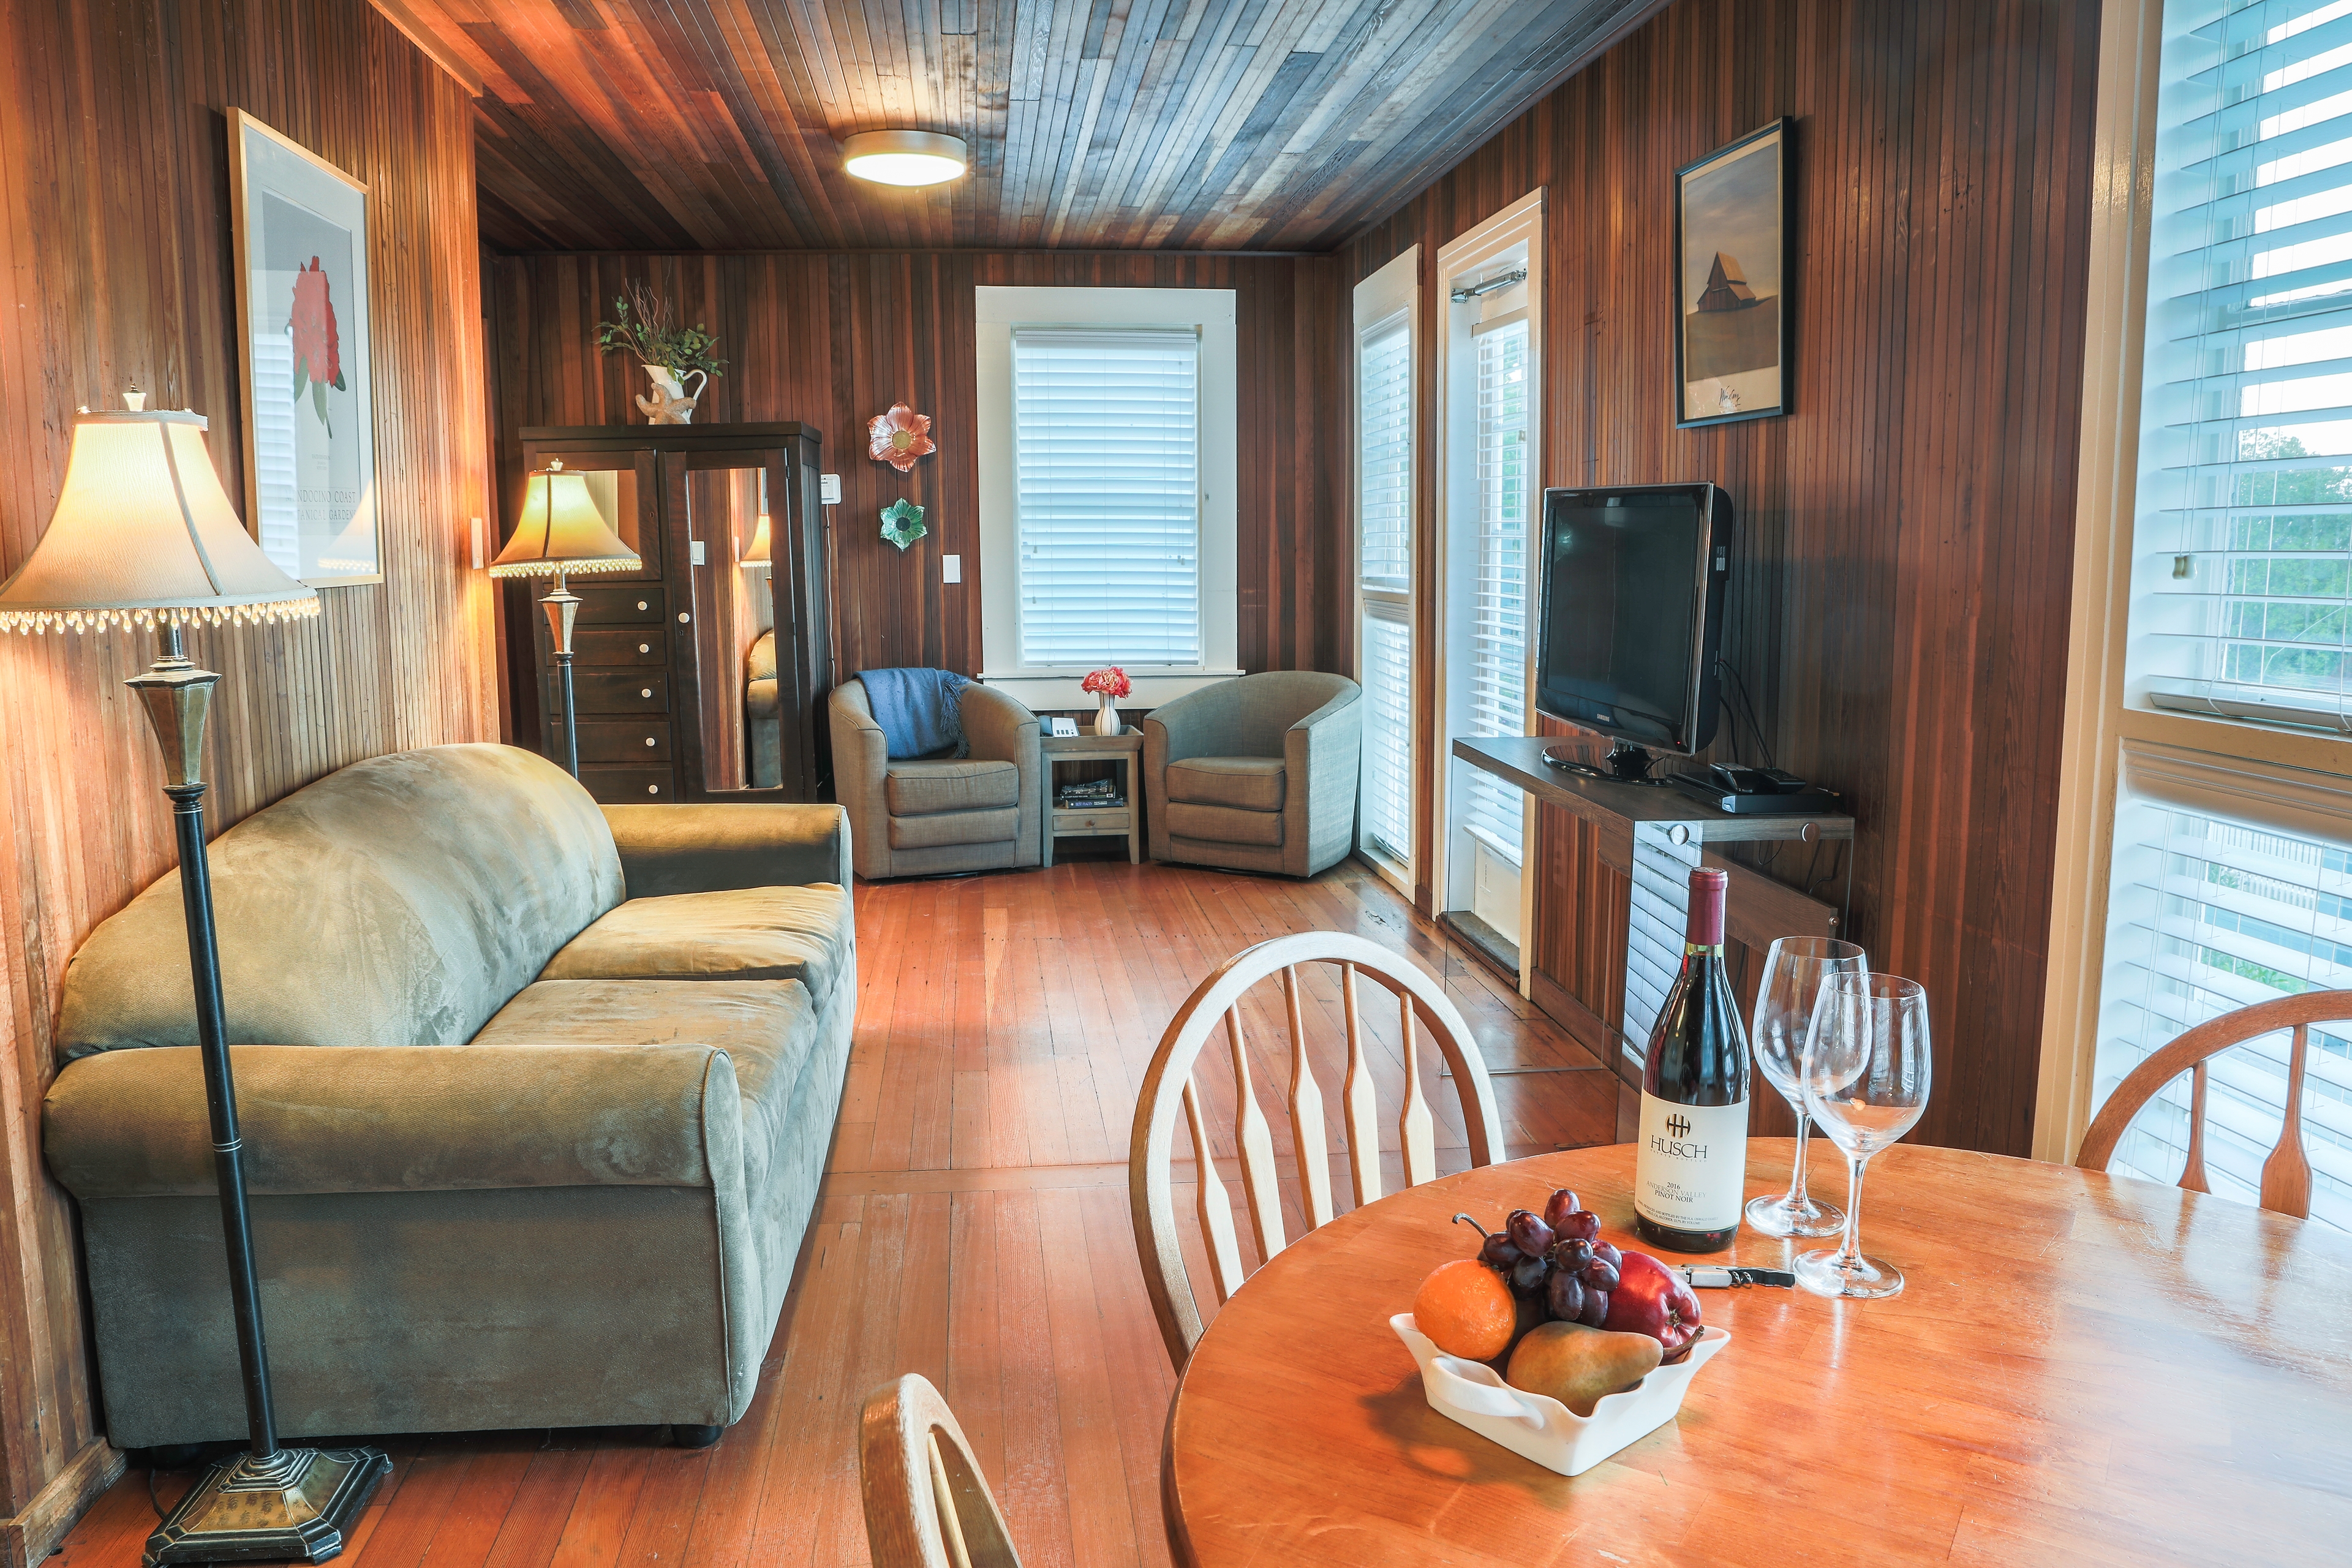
(683,618)
(648,692)
(645,647)
(649,739)
(653,789)
(640,603)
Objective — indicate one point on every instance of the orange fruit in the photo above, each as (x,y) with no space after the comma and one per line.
(1466,1309)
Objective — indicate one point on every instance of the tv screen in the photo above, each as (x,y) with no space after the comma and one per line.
(1630,611)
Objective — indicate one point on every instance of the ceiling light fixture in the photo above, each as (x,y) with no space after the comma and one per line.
(904,157)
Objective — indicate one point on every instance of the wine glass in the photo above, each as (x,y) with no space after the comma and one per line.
(1794,968)
(1865,1076)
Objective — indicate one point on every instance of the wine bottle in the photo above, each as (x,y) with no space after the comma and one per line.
(1690,1168)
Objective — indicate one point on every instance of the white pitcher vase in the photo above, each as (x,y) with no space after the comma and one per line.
(671,404)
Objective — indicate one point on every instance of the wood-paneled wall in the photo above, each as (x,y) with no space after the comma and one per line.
(115,267)
(833,339)
(1898,603)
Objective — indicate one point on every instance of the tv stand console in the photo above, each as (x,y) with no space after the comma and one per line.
(1657,837)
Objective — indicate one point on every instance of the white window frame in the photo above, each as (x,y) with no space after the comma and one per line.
(1210,312)
(1512,236)
(1394,291)
(2101,719)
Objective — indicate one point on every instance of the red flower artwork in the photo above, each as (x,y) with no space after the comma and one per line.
(318,346)
(900,436)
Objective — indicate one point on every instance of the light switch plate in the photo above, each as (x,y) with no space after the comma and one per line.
(694,548)
(951,568)
(828,489)
(477,544)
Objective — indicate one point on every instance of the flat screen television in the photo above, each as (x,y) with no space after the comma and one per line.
(1629,614)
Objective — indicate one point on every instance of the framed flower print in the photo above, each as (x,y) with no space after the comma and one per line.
(302,245)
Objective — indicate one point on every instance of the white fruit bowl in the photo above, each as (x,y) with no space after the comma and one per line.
(1543,1429)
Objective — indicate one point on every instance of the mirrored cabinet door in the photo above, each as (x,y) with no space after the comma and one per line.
(725,701)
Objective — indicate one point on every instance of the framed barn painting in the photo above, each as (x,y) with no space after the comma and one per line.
(301,245)
(1732,262)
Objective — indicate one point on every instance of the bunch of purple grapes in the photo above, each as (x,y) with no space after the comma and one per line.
(1558,1254)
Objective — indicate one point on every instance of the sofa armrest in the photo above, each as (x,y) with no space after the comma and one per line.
(388,1119)
(713,848)
(1321,754)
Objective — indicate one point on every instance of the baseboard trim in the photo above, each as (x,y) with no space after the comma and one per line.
(29,1538)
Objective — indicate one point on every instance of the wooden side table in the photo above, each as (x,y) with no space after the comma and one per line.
(1081,822)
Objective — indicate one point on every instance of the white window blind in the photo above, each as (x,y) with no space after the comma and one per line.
(1498,632)
(274,472)
(1108,489)
(1384,574)
(2243,558)
(2228,889)
(1385,461)
(1387,733)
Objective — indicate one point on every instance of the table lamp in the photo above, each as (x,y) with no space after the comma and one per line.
(562,531)
(757,553)
(144,536)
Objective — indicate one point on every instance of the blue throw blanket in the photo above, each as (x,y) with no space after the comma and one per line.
(920,710)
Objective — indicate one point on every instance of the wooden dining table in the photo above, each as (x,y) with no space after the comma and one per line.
(2081,1369)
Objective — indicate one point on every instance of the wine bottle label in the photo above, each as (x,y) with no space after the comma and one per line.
(1690,1169)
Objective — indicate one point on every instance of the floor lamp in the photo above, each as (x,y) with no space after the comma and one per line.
(144,536)
(562,531)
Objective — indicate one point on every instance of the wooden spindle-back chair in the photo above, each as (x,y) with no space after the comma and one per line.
(926,1503)
(1168,1085)
(2286,1174)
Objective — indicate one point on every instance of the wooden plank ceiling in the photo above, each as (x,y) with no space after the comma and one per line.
(1186,124)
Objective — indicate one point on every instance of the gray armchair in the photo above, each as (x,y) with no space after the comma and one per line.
(917,818)
(1257,773)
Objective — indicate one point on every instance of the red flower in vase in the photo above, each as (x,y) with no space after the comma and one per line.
(318,346)
(1110,682)
(900,436)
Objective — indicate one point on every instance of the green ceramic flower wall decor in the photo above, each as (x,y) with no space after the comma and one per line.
(902,522)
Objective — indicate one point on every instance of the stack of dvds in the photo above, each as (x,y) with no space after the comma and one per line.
(1091,795)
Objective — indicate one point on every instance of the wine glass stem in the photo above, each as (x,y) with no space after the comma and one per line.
(1796,1199)
(1850,1255)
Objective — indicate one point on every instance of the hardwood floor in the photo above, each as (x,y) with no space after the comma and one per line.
(973,1228)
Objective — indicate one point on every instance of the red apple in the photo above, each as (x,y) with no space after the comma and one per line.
(1651,1298)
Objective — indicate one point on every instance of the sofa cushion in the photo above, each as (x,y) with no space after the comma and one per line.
(399,901)
(1224,824)
(767,1027)
(920,789)
(948,827)
(750,933)
(1252,784)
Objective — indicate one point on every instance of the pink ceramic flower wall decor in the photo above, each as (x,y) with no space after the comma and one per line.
(900,436)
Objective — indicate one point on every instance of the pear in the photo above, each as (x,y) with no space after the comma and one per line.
(1577,1365)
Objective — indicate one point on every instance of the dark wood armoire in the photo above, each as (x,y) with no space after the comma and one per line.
(701,677)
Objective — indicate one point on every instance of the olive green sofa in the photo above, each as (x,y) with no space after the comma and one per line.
(536,1098)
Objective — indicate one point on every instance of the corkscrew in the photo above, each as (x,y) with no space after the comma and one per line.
(1706,1276)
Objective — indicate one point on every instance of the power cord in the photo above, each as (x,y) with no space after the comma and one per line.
(1745,708)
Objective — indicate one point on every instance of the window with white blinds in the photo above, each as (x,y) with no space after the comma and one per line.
(1106,425)
(1384,494)
(1499,631)
(2242,581)
(2227,890)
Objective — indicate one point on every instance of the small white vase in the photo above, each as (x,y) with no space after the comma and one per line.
(670,403)
(1106,720)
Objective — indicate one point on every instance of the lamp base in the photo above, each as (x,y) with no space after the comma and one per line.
(298,1505)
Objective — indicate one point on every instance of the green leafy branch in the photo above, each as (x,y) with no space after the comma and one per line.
(645,326)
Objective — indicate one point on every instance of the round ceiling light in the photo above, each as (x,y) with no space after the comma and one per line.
(903,157)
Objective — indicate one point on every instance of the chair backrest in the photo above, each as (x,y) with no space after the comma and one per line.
(927,1504)
(2286,1174)
(1169,1083)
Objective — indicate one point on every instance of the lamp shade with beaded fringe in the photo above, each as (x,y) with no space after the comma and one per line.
(562,530)
(143,532)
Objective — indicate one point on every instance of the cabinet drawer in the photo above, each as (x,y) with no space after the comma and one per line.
(624,740)
(1075,822)
(613,692)
(647,647)
(618,603)
(615,786)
